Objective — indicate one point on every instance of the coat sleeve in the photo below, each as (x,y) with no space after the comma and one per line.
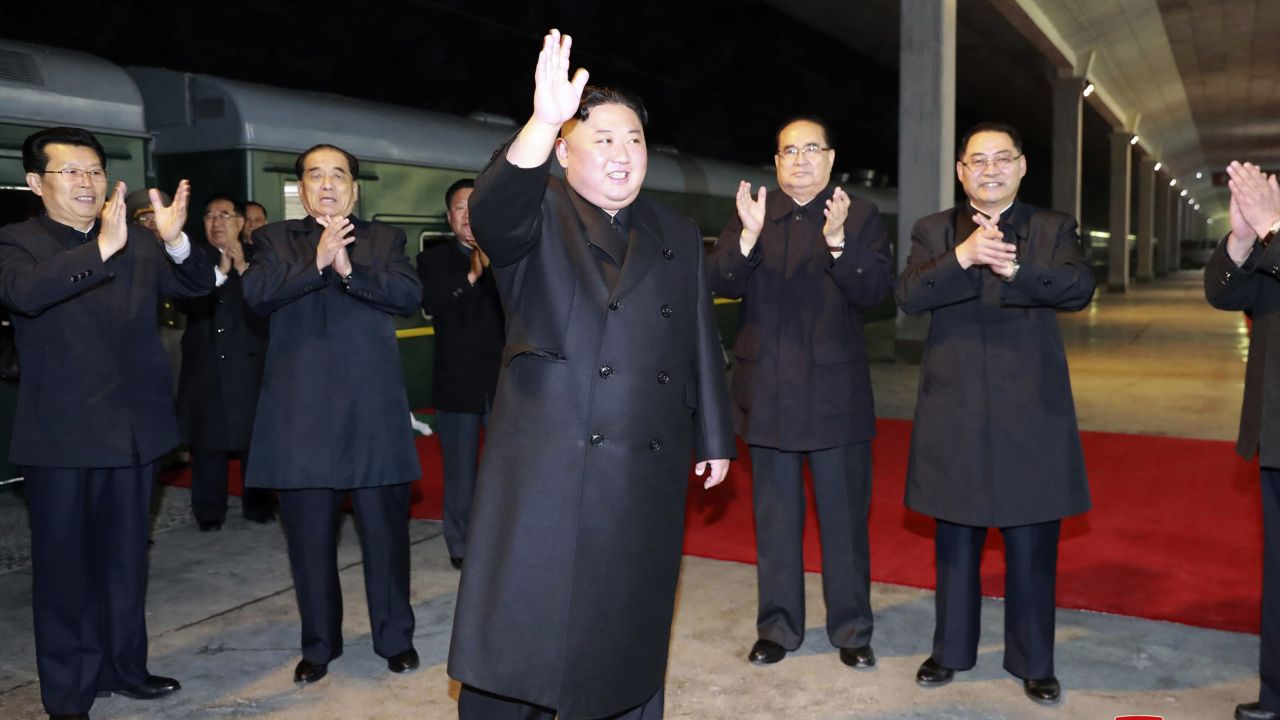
(193,277)
(1064,282)
(392,289)
(506,208)
(713,430)
(727,271)
(864,271)
(1231,287)
(29,287)
(272,281)
(441,289)
(932,280)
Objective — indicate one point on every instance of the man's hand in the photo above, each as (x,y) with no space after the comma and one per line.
(986,246)
(1240,241)
(338,234)
(555,100)
(715,469)
(233,254)
(751,213)
(477,265)
(1256,194)
(169,220)
(836,212)
(114,233)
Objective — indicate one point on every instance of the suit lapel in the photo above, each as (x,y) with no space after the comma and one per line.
(591,227)
(642,249)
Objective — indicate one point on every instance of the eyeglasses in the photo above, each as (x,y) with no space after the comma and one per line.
(216,216)
(1001,161)
(77,174)
(810,151)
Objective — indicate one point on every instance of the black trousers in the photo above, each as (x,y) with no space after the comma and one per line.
(1031,559)
(476,704)
(209,487)
(842,485)
(89,565)
(1269,660)
(460,447)
(311,519)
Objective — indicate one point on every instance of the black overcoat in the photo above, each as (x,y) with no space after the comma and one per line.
(468,329)
(1255,289)
(606,396)
(223,351)
(333,412)
(96,388)
(995,441)
(801,380)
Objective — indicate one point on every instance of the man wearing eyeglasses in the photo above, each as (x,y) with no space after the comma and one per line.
(223,350)
(807,260)
(95,411)
(995,442)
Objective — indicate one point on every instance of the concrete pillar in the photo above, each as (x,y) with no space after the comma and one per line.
(926,135)
(1163,231)
(1180,217)
(1146,219)
(1118,246)
(1068,121)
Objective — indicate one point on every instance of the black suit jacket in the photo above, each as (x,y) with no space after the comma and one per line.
(96,388)
(468,327)
(801,379)
(333,412)
(223,351)
(995,441)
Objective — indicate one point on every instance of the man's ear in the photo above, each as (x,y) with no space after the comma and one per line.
(36,183)
(562,152)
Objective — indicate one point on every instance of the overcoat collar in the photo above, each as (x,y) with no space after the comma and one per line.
(637,254)
(778,204)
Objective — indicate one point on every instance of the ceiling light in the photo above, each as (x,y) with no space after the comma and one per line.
(1158,166)
(1183,193)
(1197,207)
(1088,89)
(1191,201)
(1133,140)
(1199,176)
(1173,182)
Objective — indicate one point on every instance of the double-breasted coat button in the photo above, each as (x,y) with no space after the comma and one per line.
(797,217)
(655,445)
(221,330)
(606,371)
(597,439)
(615,305)
(666,253)
(663,377)
(666,311)
(1047,282)
(222,357)
(728,276)
(859,271)
(928,283)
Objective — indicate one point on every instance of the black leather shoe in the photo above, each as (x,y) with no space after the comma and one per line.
(1254,711)
(456,562)
(77,716)
(402,661)
(309,672)
(766,652)
(151,688)
(261,518)
(1045,690)
(859,657)
(933,674)
(208,525)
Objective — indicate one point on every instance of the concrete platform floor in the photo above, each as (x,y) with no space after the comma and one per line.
(222,617)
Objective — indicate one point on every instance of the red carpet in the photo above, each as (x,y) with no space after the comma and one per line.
(1175,533)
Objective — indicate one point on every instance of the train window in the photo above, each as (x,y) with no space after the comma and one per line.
(433,236)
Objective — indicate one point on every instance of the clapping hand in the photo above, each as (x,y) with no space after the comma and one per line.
(169,220)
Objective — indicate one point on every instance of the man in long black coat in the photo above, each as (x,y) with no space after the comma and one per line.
(95,411)
(223,349)
(461,296)
(1243,274)
(333,416)
(995,442)
(807,260)
(613,383)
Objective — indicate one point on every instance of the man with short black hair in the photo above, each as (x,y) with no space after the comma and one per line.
(807,260)
(255,216)
(223,350)
(994,442)
(613,380)
(332,417)
(95,411)
(460,295)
